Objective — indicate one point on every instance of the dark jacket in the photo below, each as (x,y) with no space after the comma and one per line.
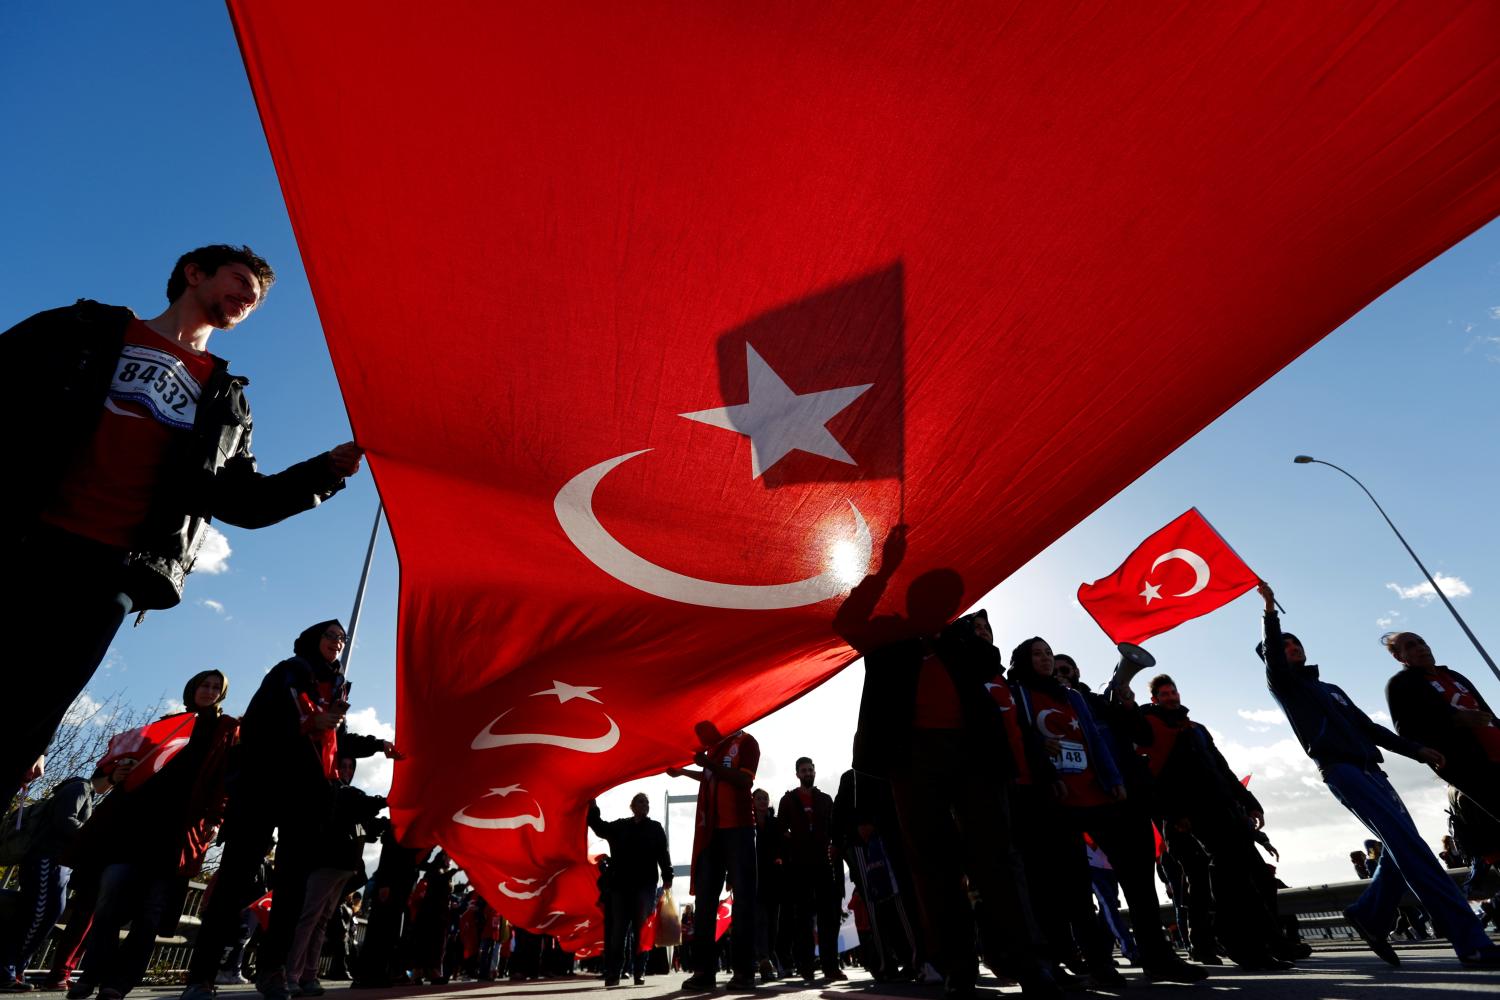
(1125,728)
(770,859)
(1194,777)
(893,661)
(1330,727)
(277,752)
(808,836)
(637,851)
(862,799)
(68,358)
(1421,715)
(354,824)
(69,807)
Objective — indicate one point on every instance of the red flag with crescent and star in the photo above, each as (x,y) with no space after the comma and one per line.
(656,319)
(1181,572)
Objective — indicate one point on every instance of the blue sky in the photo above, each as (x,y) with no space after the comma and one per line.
(131,136)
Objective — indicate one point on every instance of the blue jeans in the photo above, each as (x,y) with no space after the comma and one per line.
(128,894)
(1405,862)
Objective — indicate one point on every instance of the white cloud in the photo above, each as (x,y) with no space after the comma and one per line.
(372,774)
(1388,619)
(85,709)
(1264,716)
(1494,312)
(1381,717)
(215,606)
(173,707)
(213,554)
(1423,592)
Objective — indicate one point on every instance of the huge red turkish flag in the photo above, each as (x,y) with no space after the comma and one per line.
(649,312)
(1182,571)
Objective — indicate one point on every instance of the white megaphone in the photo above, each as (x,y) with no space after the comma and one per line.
(1133,659)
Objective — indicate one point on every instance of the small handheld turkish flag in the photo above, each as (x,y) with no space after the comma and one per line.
(724,917)
(1181,572)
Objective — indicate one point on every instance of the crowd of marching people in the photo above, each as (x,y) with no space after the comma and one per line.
(996,810)
(992,801)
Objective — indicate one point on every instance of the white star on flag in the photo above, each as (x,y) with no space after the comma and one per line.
(505,791)
(1151,593)
(778,421)
(567,692)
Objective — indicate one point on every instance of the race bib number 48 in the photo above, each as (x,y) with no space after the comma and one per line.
(1072,758)
(160,382)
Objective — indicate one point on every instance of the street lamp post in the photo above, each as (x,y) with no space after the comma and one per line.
(1308,459)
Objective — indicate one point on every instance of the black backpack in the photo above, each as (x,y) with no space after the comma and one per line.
(23,827)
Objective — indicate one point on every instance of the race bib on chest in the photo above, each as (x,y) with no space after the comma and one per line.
(159,382)
(1071,758)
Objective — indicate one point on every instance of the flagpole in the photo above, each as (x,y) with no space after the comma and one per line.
(1308,459)
(1225,542)
(359,595)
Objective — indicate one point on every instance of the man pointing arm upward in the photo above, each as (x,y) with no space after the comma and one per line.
(1342,741)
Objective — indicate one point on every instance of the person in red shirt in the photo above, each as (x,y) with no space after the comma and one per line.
(1442,709)
(1052,850)
(723,847)
(1091,793)
(127,437)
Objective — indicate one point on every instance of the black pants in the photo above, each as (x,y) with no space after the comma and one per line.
(63,592)
(1124,834)
(1057,874)
(730,854)
(254,815)
(1241,920)
(955,821)
(1197,891)
(380,958)
(626,910)
(811,897)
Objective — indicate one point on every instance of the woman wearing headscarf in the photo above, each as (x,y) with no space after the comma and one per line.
(281,782)
(1052,851)
(148,838)
(1091,794)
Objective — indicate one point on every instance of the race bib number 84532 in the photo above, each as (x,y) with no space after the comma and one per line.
(158,381)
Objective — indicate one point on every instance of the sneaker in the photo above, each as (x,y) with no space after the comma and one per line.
(273,986)
(1040,986)
(699,982)
(1108,978)
(196,991)
(640,980)
(311,987)
(230,978)
(1172,969)
(1203,957)
(82,991)
(837,976)
(1379,945)
(742,984)
(610,982)
(1487,958)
